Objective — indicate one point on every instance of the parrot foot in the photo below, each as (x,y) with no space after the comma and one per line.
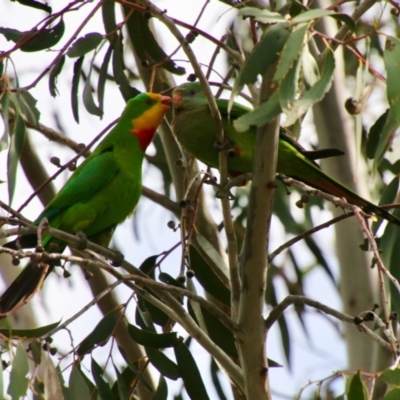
(225,146)
(42,224)
(283,179)
(119,258)
(83,240)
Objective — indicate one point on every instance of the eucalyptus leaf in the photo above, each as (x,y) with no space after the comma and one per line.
(19,380)
(84,45)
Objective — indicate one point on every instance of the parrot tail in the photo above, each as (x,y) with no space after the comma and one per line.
(334,188)
(27,283)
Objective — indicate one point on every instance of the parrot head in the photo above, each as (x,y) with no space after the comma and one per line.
(146,111)
(188,96)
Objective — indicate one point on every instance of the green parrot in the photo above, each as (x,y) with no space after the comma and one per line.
(194,129)
(100,193)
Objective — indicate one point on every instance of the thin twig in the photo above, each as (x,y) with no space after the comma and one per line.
(305,234)
(291,299)
(94,301)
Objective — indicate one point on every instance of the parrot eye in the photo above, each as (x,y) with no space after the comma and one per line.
(149,101)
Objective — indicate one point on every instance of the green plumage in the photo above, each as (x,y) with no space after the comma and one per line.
(101,192)
(194,128)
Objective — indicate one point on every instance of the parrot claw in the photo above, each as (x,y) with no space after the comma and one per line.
(222,193)
(119,258)
(225,146)
(283,178)
(83,240)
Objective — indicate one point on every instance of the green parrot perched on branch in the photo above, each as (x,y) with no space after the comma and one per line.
(99,195)
(195,130)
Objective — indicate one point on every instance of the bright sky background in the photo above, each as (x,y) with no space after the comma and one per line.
(314,357)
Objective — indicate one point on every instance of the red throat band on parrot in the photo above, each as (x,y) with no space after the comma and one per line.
(145,136)
(146,124)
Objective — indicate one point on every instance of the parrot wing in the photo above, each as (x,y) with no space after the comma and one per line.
(95,173)
(238,110)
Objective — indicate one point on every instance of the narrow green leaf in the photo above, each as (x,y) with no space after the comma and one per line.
(128,376)
(53,75)
(14,154)
(29,333)
(64,387)
(78,389)
(162,390)
(261,115)
(216,380)
(35,4)
(386,136)
(87,95)
(392,64)
(219,333)
(143,318)
(264,54)
(309,68)
(103,77)
(5,107)
(391,376)
(134,368)
(388,196)
(148,265)
(149,339)
(271,299)
(84,45)
(100,334)
(386,165)
(291,51)
(135,34)
(319,255)
(265,16)
(393,394)
(288,88)
(36,40)
(374,135)
(389,246)
(157,316)
(169,280)
(102,386)
(206,276)
(36,351)
(53,382)
(190,373)
(162,363)
(299,107)
(319,13)
(27,106)
(19,380)
(138,23)
(12,34)
(122,389)
(357,388)
(75,86)
(118,64)
(109,20)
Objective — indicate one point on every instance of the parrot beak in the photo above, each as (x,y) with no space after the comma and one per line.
(176,99)
(164,101)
